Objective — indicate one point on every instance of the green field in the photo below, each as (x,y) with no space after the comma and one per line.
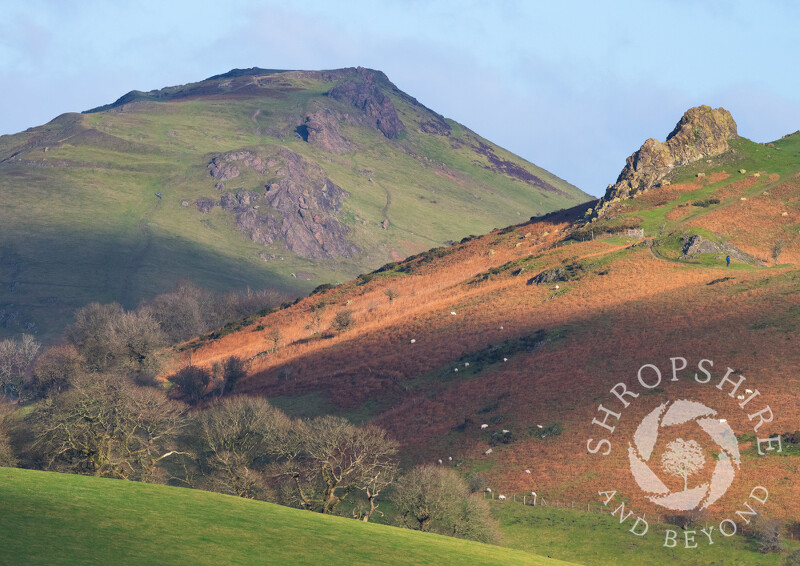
(50,518)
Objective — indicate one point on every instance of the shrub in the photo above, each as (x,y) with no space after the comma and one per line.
(343,320)
(190,383)
(233,369)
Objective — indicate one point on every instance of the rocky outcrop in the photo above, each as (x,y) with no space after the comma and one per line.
(321,129)
(299,209)
(224,167)
(365,94)
(702,132)
(695,244)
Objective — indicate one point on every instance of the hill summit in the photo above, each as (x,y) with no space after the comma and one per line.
(701,132)
(255,178)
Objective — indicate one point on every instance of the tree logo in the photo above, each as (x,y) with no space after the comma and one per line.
(683,458)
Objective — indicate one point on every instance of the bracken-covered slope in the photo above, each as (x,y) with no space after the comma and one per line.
(255,178)
(526,329)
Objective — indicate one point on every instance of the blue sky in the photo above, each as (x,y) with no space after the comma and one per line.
(574,87)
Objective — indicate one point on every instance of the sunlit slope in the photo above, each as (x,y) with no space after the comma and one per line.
(526,329)
(53,518)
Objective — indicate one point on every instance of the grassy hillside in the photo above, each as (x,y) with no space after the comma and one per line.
(80,219)
(527,328)
(52,518)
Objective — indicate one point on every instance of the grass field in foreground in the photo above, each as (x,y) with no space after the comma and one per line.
(48,518)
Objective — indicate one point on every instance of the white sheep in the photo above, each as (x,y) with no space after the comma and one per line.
(449,458)
(455,370)
(440,460)
(748,390)
(466,364)
(501,497)
(540,426)
(501,328)
(452,313)
(489,451)
(413,340)
(488,490)
(527,471)
(505,359)
(484,426)
(740,396)
(556,287)
(505,431)
(723,420)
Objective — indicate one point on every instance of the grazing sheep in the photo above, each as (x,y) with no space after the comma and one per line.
(527,471)
(413,340)
(452,313)
(505,359)
(556,287)
(489,451)
(723,420)
(748,390)
(484,426)
(466,364)
(449,458)
(740,396)
(540,426)
(501,497)
(488,490)
(455,370)
(440,460)
(506,431)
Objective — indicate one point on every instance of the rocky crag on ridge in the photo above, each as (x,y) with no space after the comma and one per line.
(701,133)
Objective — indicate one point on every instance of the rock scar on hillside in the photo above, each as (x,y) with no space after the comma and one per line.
(513,170)
(301,205)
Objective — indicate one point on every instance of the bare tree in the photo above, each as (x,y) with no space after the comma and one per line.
(343,320)
(435,498)
(15,357)
(238,436)
(682,459)
(777,249)
(234,368)
(105,426)
(392,294)
(427,495)
(7,457)
(331,458)
(275,336)
(317,312)
(190,383)
(56,368)
(92,334)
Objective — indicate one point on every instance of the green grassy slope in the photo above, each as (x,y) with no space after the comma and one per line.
(52,518)
(80,220)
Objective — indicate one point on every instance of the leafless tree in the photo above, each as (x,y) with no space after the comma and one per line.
(15,357)
(275,336)
(56,368)
(7,457)
(435,498)
(331,458)
(238,437)
(392,294)
(105,426)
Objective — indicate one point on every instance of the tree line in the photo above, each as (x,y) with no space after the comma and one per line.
(91,405)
